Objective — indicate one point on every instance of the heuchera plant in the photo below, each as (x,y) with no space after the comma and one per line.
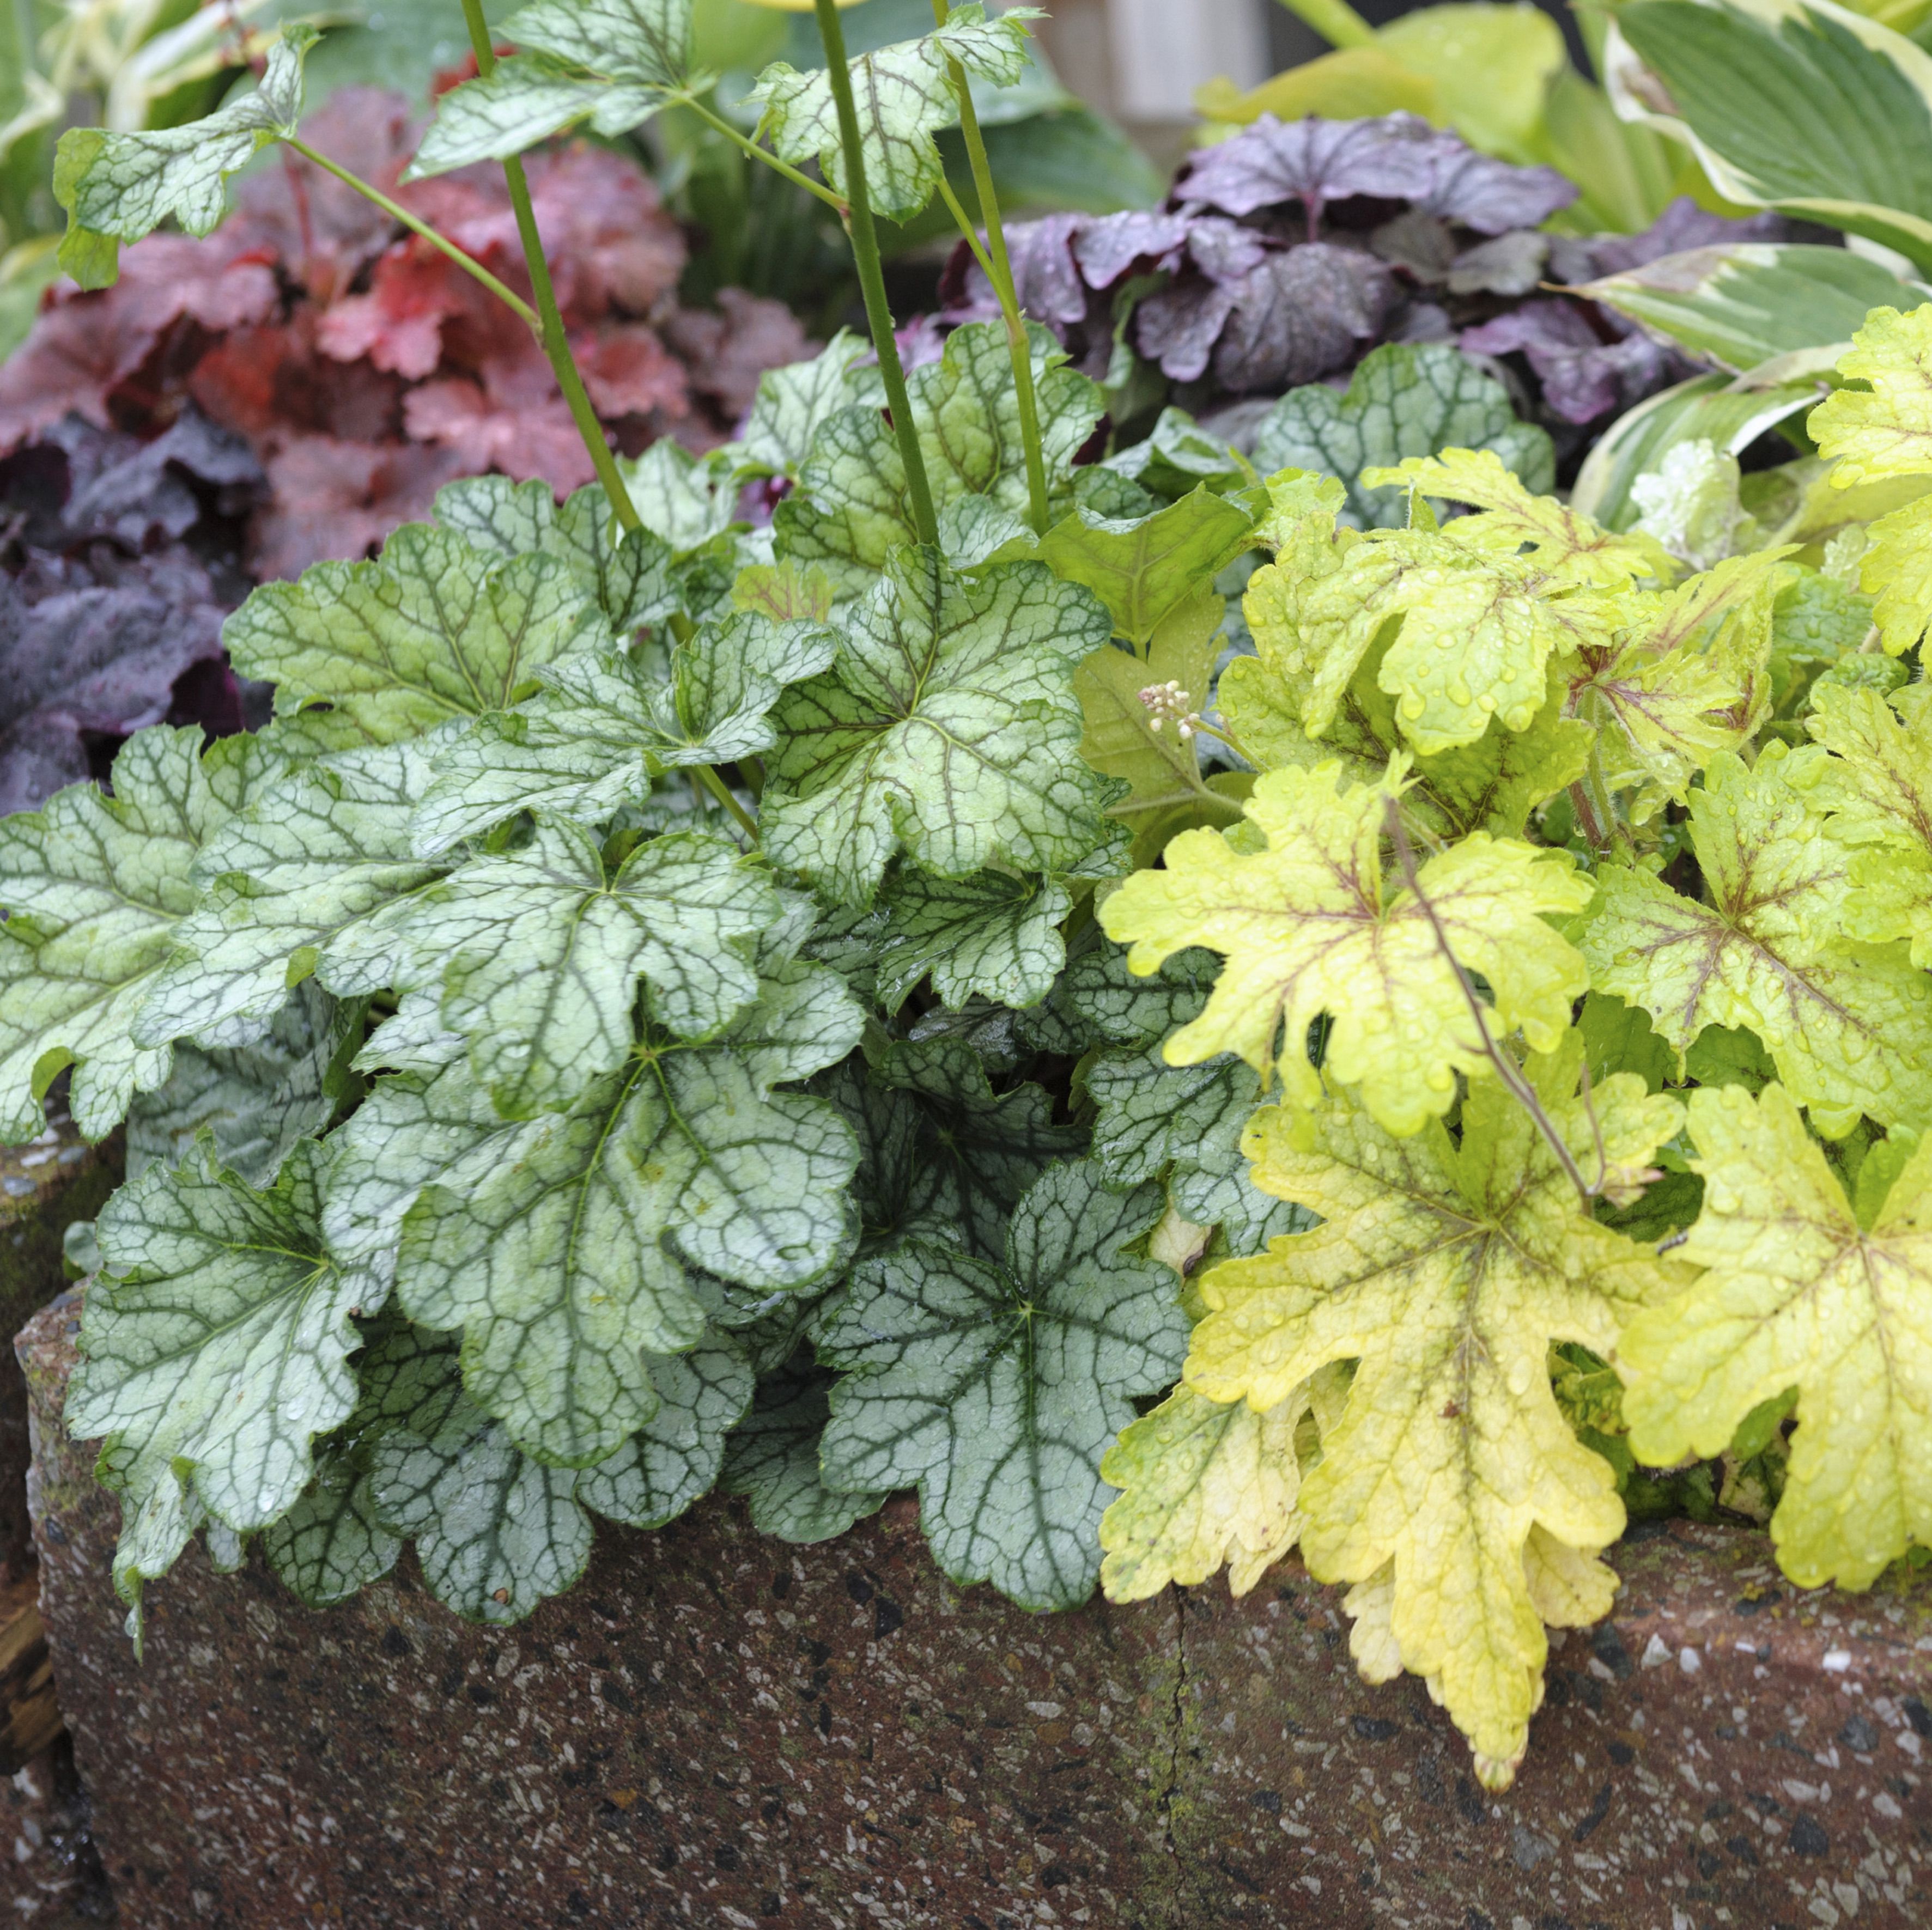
(661,1007)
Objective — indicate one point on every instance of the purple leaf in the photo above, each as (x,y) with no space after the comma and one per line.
(1110,248)
(1480,192)
(1313,162)
(1583,377)
(1299,316)
(1682,225)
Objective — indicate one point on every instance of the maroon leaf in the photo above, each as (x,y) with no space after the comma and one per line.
(77,353)
(339,499)
(398,325)
(727,349)
(628,371)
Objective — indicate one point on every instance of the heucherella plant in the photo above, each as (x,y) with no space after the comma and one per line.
(924,995)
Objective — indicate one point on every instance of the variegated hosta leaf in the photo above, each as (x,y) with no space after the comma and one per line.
(995,935)
(537,952)
(947,727)
(771,1459)
(1207,1484)
(627,572)
(215,1343)
(94,888)
(903,94)
(1798,1294)
(850,509)
(1848,1024)
(602,726)
(996,1389)
(563,1267)
(434,630)
(1880,784)
(124,185)
(495,1531)
(257,1100)
(612,63)
(288,887)
(1311,926)
(975,1154)
(1446,1270)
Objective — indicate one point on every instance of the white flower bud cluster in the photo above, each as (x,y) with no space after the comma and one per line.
(1168,703)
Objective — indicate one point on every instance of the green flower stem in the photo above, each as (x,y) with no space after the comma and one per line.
(998,269)
(721,791)
(871,276)
(1335,21)
(765,154)
(964,223)
(556,344)
(468,263)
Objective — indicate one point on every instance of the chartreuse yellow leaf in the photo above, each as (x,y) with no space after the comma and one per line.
(1796,1294)
(1883,430)
(1774,951)
(1508,520)
(1463,621)
(1208,1483)
(1446,1271)
(1880,784)
(1312,925)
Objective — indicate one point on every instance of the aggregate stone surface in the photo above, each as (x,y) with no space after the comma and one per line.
(716,1729)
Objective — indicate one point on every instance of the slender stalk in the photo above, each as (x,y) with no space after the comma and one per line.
(1506,1068)
(871,276)
(998,269)
(1335,21)
(468,263)
(964,222)
(556,344)
(721,791)
(765,154)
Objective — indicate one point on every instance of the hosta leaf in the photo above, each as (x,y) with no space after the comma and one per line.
(561,1267)
(903,94)
(602,726)
(125,185)
(1747,302)
(1446,1271)
(215,1343)
(1883,430)
(288,888)
(993,936)
(1206,1485)
(947,728)
(771,1459)
(850,509)
(495,1532)
(332,1543)
(977,1152)
(1848,1025)
(1309,926)
(613,63)
(1404,399)
(257,1101)
(433,630)
(1880,784)
(627,572)
(1143,568)
(1797,1294)
(995,1388)
(537,952)
(94,888)
(661,1470)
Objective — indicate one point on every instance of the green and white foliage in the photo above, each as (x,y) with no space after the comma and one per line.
(904,95)
(995,1386)
(610,65)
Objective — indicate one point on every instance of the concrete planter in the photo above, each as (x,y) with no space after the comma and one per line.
(716,1729)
